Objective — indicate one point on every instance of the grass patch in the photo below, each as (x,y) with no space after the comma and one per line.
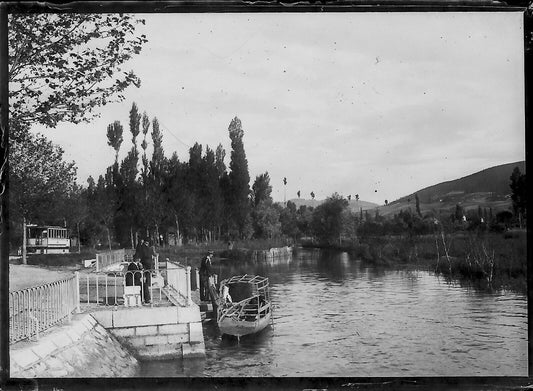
(191,254)
(69,259)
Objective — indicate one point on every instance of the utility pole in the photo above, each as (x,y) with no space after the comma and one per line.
(285,191)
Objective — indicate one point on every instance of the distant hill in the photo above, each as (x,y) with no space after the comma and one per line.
(354,205)
(488,188)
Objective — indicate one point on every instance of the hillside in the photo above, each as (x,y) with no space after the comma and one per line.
(488,188)
(354,205)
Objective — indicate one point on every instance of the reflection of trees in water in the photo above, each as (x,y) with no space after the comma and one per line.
(372,272)
(277,272)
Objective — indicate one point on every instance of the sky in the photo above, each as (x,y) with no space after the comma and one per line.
(375,104)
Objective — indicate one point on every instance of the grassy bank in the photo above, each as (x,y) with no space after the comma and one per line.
(192,255)
(486,260)
(59,260)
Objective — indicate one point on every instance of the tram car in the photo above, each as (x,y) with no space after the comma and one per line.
(47,239)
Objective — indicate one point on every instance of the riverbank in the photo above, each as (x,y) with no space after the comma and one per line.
(488,260)
(238,251)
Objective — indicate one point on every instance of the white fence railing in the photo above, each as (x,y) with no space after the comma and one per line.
(109,258)
(33,310)
(111,288)
(108,288)
(179,279)
(115,257)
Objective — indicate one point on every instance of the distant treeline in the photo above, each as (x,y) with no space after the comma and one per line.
(142,195)
(199,199)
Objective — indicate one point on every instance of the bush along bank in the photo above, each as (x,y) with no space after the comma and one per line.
(488,260)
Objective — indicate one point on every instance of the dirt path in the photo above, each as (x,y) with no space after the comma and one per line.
(25,276)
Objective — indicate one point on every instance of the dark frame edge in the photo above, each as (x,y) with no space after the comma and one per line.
(237,6)
(4,197)
(234,6)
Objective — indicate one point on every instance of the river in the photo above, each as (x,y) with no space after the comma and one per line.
(335,317)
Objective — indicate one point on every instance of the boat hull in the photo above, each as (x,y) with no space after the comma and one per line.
(239,328)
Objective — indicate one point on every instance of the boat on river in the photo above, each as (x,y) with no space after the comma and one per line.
(244,305)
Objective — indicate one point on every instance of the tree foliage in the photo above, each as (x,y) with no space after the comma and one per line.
(265,215)
(114,137)
(261,189)
(62,66)
(239,181)
(39,178)
(518,187)
(327,219)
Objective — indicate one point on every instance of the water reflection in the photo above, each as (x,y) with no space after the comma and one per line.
(335,316)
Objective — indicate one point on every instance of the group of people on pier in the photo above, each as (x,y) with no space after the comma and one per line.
(142,266)
(143,261)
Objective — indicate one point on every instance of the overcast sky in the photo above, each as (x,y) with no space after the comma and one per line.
(375,104)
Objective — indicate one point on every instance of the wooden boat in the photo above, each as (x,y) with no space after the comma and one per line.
(244,305)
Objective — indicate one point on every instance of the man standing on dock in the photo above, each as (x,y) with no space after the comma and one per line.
(146,254)
(205,272)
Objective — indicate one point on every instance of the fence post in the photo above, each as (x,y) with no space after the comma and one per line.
(77,274)
(197,275)
(189,298)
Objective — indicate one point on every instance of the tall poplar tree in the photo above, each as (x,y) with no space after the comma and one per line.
(114,137)
(239,181)
(156,181)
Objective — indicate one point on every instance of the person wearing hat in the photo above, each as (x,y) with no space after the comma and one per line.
(146,253)
(205,272)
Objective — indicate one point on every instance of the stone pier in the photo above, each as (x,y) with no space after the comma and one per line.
(157,333)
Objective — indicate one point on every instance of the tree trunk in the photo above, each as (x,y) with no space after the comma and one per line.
(79,239)
(177,230)
(24,239)
(108,237)
(131,237)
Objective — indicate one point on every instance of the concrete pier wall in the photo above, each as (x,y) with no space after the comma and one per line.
(82,348)
(157,333)
(110,343)
(272,255)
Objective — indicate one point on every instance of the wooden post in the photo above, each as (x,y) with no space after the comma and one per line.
(79,239)
(24,240)
(197,274)
(77,294)
(189,297)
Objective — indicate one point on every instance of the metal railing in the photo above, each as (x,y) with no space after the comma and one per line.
(115,257)
(107,289)
(33,310)
(179,280)
(109,258)
(110,288)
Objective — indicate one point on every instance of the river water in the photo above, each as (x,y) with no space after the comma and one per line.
(336,316)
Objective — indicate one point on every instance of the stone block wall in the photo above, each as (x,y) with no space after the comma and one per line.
(82,348)
(163,341)
(157,333)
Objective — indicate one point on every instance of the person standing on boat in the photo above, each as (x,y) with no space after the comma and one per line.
(206,271)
